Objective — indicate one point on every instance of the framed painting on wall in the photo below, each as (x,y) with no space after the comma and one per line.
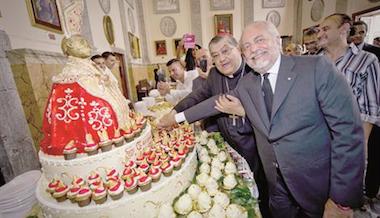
(273,3)
(175,45)
(221,5)
(44,14)
(223,24)
(160,47)
(166,6)
(134,43)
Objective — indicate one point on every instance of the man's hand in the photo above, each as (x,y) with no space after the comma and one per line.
(202,74)
(332,210)
(168,120)
(230,105)
(163,88)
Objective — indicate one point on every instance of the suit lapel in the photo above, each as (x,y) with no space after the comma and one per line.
(285,81)
(258,100)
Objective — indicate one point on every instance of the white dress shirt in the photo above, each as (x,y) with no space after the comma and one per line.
(182,89)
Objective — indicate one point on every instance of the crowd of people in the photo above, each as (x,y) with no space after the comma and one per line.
(306,120)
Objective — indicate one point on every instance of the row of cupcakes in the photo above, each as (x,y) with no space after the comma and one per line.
(131,130)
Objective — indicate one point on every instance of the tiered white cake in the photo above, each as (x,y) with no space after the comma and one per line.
(139,204)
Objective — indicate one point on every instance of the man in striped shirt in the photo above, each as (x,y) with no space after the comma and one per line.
(360,68)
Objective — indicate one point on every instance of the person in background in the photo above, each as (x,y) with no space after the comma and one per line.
(372,177)
(229,70)
(360,30)
(376,41)
(190,63)
(99,61)
(310,41)
(360,68)
(204,64)
(184,81)
(110,59)
(293,49)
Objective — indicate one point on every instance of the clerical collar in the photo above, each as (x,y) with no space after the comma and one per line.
(238,72)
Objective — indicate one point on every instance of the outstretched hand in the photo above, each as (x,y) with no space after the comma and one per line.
(168,120)
(230,105)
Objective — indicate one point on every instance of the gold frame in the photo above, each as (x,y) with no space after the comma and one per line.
(108,30)
(156,43)
(134,43)
(223,17)
(40,23)
(175,45)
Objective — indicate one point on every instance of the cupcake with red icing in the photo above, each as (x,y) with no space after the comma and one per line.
(144,182)
(70,151)
(78,181)
(91,148)
(118,139)
(60,192)
(128,132)
(156,164)
(167,168)
(144,167)
(131,164)
(54,183)
(155,173)
(140,121)
(72,193)
(105,143)
(93,176)
(95,183)
(140,159)
(136,130)
(115,189)
(128,172)
(83,197)
(176,162)
(130,184)
(99,194)
(112,173)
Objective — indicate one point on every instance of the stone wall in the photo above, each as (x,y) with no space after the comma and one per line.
(17,151)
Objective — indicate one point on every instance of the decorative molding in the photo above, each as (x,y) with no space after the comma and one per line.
(168,26)
(196,21)
(221,5)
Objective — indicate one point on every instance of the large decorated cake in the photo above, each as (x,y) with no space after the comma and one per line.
(99,158)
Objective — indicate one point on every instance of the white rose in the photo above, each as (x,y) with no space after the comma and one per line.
(204,168)
(211,143)
(211,186)
(204,133)
(203,140)
(184,204)
(202,151)
(216,173)
(214,150)
(236,211)
(202,179)
(230,168)
(166,211)
(216,163)
(229,182)
(205,159)
(222,156)
(222,199)
(194,214)
(216,211)
(204,202)
(194,191)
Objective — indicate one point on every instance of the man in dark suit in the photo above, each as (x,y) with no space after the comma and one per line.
(358,34)
(309,132)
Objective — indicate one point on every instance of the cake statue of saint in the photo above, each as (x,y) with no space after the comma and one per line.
(85,110)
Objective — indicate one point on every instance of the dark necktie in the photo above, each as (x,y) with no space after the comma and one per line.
(268,94)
